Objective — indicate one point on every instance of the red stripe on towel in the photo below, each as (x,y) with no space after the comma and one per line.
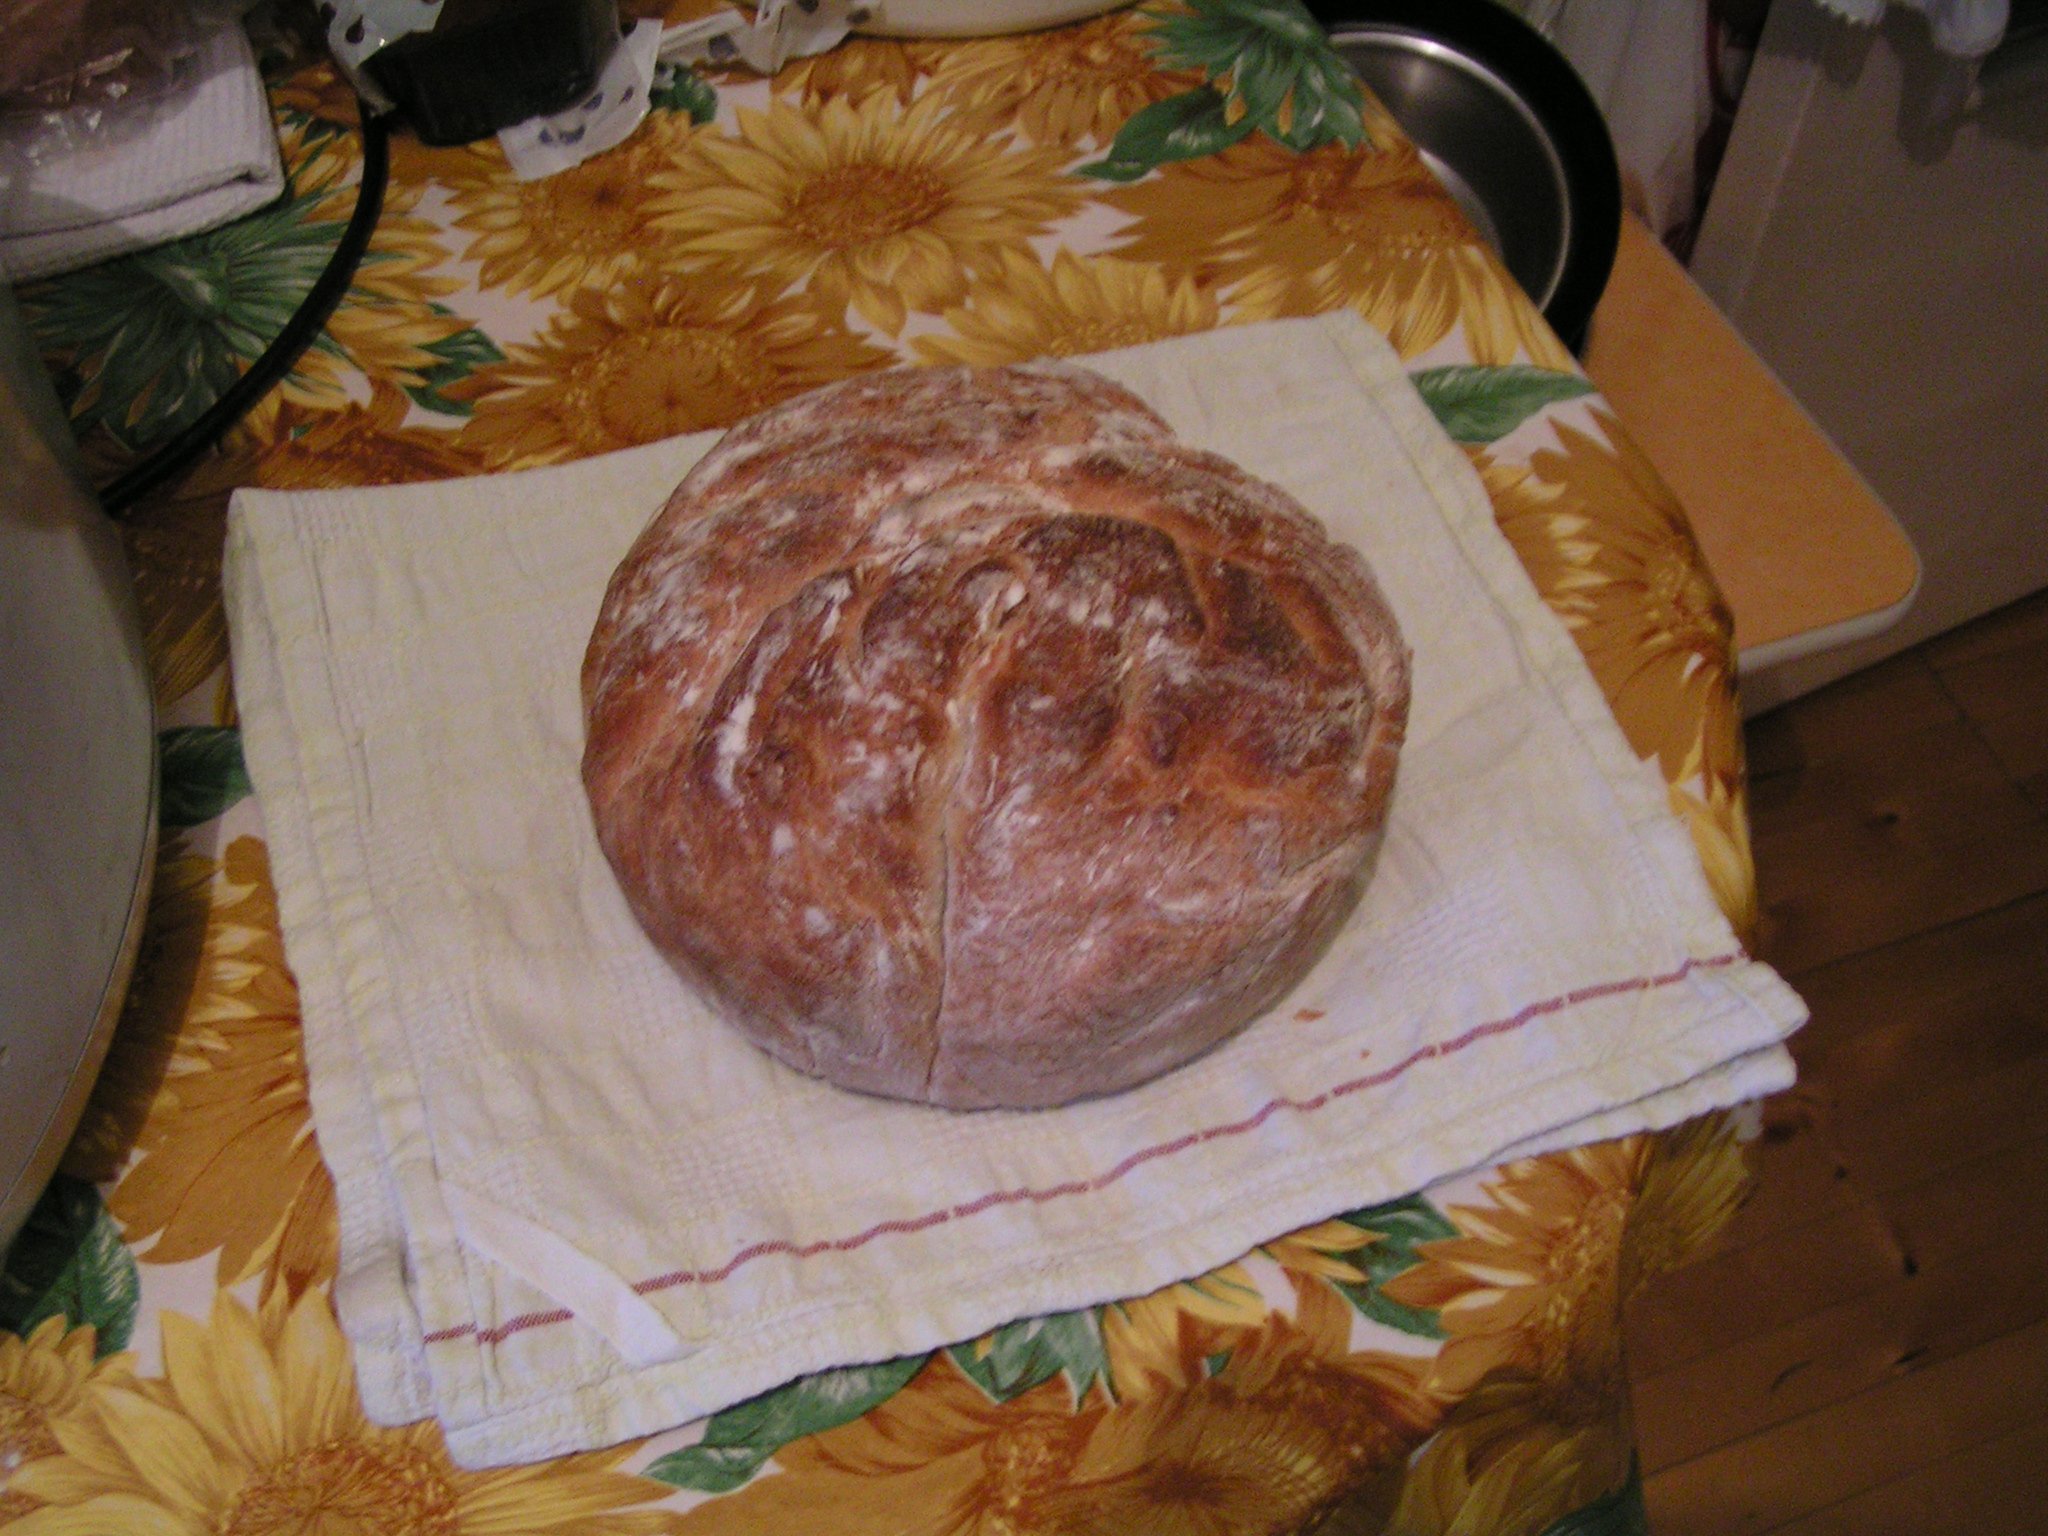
(1112,1175)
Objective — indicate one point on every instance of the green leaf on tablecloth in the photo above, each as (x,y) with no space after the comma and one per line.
(1212,35)
(143,344)
(1399,1227)
(1326,108)
(1019,1356)
(69,1258)
(1274,65)
(1619,1513)
(461,355)
(1476,404)
(200,773)
(679,88)
(711,1468)
(1183,127)
(739,1441)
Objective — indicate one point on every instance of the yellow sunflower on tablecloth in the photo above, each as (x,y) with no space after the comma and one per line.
(1613,556)
(940,1452)
(1286,233)
(254,1429)
(583,227)
(1696,1178)
(1286,1428)
(1533,1281)
(318,89)
(43,1379)
(1071,86)
(367,443)
(1081,304)
(207,1080)
(1266,1439)
(884,210)
(1715,810)
(390,316)
(648,360)
(858,67)
(1531,1292)
(1147,1339)
(1504,1464)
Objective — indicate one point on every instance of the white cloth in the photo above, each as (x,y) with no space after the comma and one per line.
(1645,63)
(1966,28)
(208,155)
(577,1208)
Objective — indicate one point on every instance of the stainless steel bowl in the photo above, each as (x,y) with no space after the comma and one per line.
(1509,129)
(1483,141)
(77,779)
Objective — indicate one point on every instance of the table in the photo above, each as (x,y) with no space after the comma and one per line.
(1807,555)
(1448,1362)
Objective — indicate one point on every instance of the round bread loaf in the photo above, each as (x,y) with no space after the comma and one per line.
(964,736)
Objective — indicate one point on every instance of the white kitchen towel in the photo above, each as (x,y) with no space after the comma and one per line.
(575,1207)
(204,154)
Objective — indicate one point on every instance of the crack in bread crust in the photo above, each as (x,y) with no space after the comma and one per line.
(964,736)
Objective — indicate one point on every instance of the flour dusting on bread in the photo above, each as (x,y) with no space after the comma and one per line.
(967,737)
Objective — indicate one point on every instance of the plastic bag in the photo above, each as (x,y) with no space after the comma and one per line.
(62,54)
(75,71)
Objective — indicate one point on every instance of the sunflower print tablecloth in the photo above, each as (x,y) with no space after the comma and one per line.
(169,1360)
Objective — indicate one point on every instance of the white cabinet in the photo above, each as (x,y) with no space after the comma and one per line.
(1889,260)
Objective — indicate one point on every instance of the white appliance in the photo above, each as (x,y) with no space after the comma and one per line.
(1879,234)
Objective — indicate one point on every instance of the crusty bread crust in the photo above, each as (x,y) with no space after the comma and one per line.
(966,737)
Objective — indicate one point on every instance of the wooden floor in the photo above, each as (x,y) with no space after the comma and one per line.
(1867,1354)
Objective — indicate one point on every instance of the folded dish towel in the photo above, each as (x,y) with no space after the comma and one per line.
(575,1207)
(208,154)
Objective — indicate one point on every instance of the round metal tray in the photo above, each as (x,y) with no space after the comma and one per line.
(1509,129)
